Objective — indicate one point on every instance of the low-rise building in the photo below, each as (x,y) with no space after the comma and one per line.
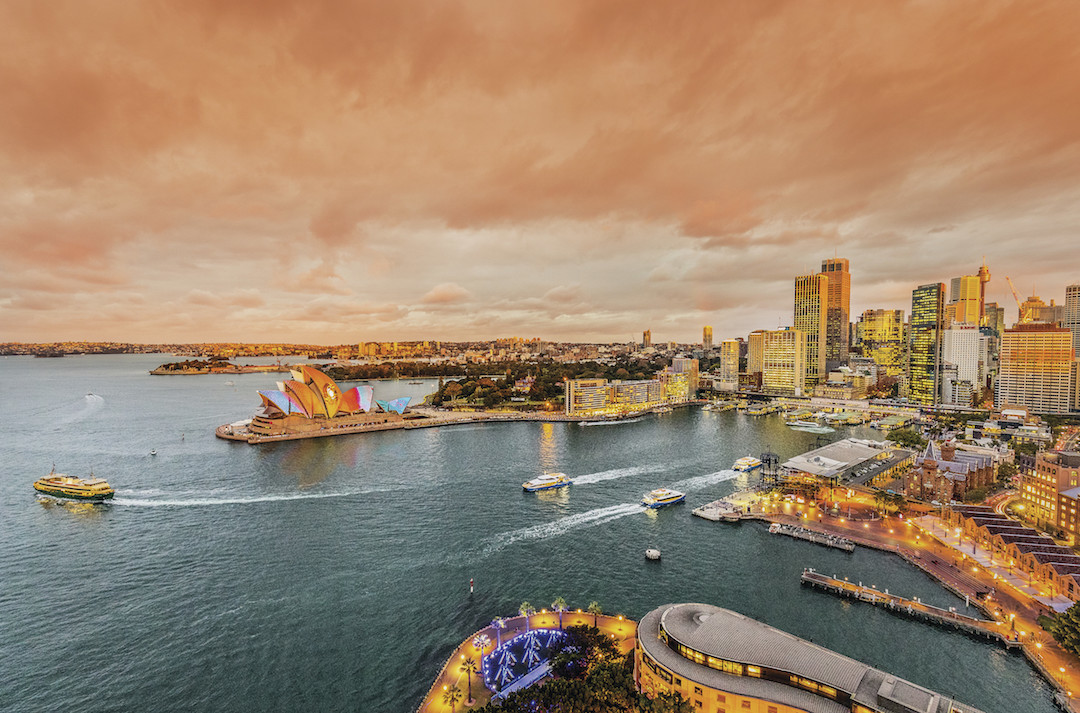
(944,474)
(1055,472)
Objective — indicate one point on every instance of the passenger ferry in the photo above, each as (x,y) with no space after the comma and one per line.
(747,463)
(547,482)
(661,497)
(58,485)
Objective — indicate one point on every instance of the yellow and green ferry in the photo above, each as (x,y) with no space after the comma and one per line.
(58,485)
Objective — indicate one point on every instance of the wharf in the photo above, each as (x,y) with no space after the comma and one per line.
(719,510)
(911,607)
(818,538)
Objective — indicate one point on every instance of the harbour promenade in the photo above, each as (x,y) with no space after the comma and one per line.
(918,542)
(623,632)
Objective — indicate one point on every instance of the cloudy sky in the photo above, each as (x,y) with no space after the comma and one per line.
(331,172)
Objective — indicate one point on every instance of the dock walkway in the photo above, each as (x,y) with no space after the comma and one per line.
(818,538)
(911,607)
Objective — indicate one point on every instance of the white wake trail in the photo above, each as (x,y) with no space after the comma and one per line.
(614,474)
(209,502)
(701,481)
(561,526)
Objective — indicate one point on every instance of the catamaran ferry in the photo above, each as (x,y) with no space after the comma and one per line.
(58,485)
(662,496)
(747,463)
(547,481)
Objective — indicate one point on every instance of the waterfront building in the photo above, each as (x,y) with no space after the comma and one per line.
(706,339)
(811,319)
(1071,320)
(729,365)
(689,367)
(783,369)
(927,321)
(881,336)
(755,353)
(838,312)
(724,662)
(1055,472)
(593,398)
(1036,369)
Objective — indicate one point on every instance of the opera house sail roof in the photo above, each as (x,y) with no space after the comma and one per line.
(313,394)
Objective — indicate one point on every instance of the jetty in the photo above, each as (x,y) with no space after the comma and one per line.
(818,538)
(912,608)
(719,510)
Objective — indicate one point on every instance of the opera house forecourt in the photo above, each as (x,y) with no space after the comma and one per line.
(313,405)
(724,662)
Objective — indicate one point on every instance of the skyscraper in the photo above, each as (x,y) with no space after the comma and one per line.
(783,362)
(811,319)
(966,300)
(646,339)
(729,365)
(960,348)
(1036,368)
(1072,315)
(927,320)
(838,312)
(881,332)
(706,338)
(995,317)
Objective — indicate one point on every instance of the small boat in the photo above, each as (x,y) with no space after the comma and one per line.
(416,383)
(652,554)
(58,485)
(547,482)
(747,463)
(153,452)
(662,496)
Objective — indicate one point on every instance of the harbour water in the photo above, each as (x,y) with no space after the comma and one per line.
(333,574)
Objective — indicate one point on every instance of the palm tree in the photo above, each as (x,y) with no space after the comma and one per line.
(451,696)
(526,610)
(499,623)
(594,609)
(559,605)
(468,665)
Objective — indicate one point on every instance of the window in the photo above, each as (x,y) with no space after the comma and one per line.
(754,671)
(721,698)
(746,704)
(697,690)
(678,681)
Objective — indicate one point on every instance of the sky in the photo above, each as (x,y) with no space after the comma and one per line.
(328,172)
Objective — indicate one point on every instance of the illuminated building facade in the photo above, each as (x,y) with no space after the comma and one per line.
(706,338)
(600,398)
(646,338)
(689,367)
(1071,319)
(881,336)
(783,362)
(837,312)
(966,299)
(924,360)
(723,662)
(995,317)
(960,348)
(729,365)
(755,353)
(1036,369)
(811,319)
(1055,472)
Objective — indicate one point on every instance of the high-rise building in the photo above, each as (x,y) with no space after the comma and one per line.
(960,348)
(881,337)
(1071,319)
(1034,309)
(1036,366)
(729,365)
(837,312)
(811,319)
(755,353)
(783,362)
(995,317)
(966,299)
(646,339)
(924,351)
(682,365)
(706,338)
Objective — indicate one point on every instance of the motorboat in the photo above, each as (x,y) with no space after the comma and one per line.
(58,485)
(662,496)
(652,554)
(547,481)
(747,463)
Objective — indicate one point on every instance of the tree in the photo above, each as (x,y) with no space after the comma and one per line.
(1066,629)
(468,666)
(526,610)
(881,500)
(451,696)
(1005,472)
(580,651)
(499,623)
(453,389)
(594,609)
(559,605)
(907,438)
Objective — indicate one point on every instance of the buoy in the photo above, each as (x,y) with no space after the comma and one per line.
(470,586)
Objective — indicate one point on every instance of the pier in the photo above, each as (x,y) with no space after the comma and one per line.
(911,608)
(818,538)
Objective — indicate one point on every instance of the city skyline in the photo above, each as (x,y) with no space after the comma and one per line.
(579,172)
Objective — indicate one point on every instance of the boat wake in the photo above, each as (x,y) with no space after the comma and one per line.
(590,478)
(612,422)
(122,499)
(701,481)
(561,526)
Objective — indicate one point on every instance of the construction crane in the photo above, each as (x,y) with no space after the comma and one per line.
(1025,317)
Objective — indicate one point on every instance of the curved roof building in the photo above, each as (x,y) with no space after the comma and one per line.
(724,662)
(312,394)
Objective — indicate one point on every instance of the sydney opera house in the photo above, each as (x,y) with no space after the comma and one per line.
(312,404)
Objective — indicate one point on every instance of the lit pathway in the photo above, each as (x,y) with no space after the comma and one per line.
(622,630)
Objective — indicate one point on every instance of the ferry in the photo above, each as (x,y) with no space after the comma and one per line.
(661,497)
(803,424)
(58,485)
(547,482)
(747,463)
